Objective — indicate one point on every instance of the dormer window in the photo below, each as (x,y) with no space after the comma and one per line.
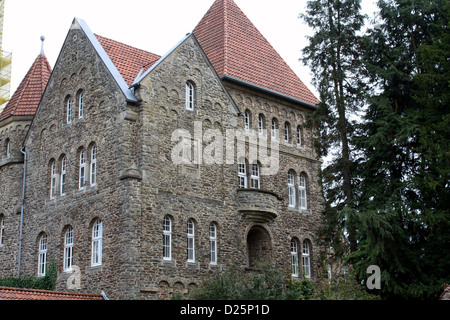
(190,96)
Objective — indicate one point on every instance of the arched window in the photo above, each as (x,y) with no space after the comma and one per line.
(8,148)
(213,243)
(287,132)
(306,261)
(2,231)
(53,179)
(69,107)
(42,258)
(82,173)
(302,191)
(97,243)
(190,241)
(80,104)
(261,124)
(93,168)
(190,95)
(255,179)
(167,238)
(291,189)
(247,120)
(274,131)
(63,176)
(68,249)
(294,257)
(299,136)
(242,174)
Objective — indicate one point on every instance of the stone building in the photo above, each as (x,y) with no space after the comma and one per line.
(144,174)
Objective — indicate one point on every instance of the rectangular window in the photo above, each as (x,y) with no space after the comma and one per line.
(53,181)
(190,241)
(82,169)
(306,260)
(69,110)
(42,263)
(68,250)
(255,178)
(63,176)
(2,231)
(81,105)
(242,175)
(190,91)
(97,243)
(93,165)
(167,238)
(291,189)
(213,243)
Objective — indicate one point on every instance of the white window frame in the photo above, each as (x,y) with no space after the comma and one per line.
(294,258)
(213,243)
(302,192)
(68,250)
(53,177)
(255,177)
(287,129)
(306,259)
(42,261)
(82,171)
(81,105)
(299,137)
(247,121)
(274,131)
(242,174)
(291,189)
(190,241)
(8,148)
(167,238)
(261,125)
(2,231)
(93,166)
(190,96)
(97,243)
(63,176)
(69,110)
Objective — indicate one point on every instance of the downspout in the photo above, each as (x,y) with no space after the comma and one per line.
(21,209)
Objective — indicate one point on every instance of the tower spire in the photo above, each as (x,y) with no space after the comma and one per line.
(42,44)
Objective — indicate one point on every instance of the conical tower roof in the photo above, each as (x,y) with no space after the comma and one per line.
(25,99)
(239,51)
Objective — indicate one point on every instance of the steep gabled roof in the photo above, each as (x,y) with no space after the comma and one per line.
(128,60)
(25,99)
(238,51)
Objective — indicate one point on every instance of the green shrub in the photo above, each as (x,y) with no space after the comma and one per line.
(28,282)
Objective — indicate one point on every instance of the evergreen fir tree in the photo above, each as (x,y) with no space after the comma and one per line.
(403,219)
(333,55)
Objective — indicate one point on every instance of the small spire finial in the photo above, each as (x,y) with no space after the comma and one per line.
(42,44)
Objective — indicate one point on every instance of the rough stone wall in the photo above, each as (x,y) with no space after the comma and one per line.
(11,177)
(138,183)
(50,139)
(208,193)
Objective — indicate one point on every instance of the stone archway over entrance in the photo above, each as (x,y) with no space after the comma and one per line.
(259,246)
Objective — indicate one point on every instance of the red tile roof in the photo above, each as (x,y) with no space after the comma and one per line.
(32,294)
(26,99)
(128,60)
(237,49)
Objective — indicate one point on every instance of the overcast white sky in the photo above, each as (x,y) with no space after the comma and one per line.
(151,25)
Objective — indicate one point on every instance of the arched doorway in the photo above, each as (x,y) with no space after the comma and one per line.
(259,246)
